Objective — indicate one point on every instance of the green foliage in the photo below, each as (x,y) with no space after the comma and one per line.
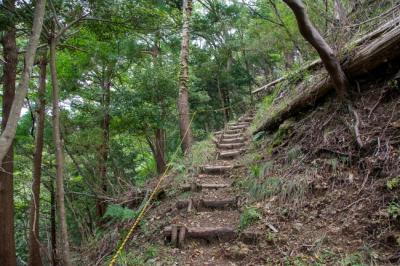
(138,258)
(201,152)
(249,216)
(352,260)
(394,210)
(393,183)
(282,132)
(119,213)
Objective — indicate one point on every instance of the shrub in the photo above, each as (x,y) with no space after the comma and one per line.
(117,212)
(249,216)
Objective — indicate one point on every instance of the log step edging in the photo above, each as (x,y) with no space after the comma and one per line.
(215,169)
(231,136)
(202,204)
(234,145)
(230,154)
(209,233)
(238,127)
(233,140)
(197,187)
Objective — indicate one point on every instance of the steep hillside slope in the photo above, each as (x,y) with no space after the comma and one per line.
(309,192)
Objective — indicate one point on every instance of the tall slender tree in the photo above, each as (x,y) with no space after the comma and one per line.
(34,244)
(65,253)
(183,101)
(7,246)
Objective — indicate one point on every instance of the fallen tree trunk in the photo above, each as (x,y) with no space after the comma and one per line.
(362,62)
(318,63)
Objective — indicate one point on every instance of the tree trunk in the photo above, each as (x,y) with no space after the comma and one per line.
(101,205)
(65,253)
(7,245)
(326,53)
(158,149)
(53,227)
(183,101)
(221,98)
(34,244)
(8,134)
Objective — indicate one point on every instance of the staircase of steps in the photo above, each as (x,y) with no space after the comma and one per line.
(211,212)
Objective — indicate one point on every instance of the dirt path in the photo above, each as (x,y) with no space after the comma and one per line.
(206,226)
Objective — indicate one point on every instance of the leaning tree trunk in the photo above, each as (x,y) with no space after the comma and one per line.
(7,245)
(183,102)
(7,136)
(328,56)
(65,253)
(34,244)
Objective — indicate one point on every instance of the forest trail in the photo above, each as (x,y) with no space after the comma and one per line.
(207,226)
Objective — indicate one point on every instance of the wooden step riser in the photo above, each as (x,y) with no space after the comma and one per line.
(209,234)
(230,146)
(206,205)
(233,132)
(232,136)
(215,169)
(228,156)
(194,187)
(233,140)
(239,123)
(239,128)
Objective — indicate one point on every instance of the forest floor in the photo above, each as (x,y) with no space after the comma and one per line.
(309,193)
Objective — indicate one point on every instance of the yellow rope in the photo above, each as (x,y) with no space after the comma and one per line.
(147,204)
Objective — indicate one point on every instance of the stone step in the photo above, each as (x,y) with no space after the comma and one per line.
(177,234)
(229,154)
(228,146)
(196,187)
(215,169)
(233,140)
(204,204)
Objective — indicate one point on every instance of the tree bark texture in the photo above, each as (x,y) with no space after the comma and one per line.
(53,227)
(34,242)
(158,149)
(65,253)
(7,245)
(328,56)
(8,134)
(101,205)
(183,101)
